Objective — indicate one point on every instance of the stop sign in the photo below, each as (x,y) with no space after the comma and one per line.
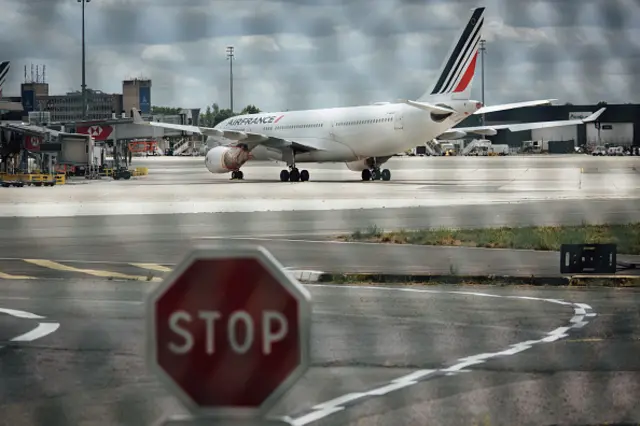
(228,331)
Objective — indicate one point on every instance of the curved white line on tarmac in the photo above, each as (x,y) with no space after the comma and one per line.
(43,329)
(20,314)
(580,318)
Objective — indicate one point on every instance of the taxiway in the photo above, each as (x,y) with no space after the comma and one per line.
(80,256)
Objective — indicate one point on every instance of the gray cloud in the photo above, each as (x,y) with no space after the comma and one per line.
(308,53)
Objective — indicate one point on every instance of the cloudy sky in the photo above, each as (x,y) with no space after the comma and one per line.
(293,54)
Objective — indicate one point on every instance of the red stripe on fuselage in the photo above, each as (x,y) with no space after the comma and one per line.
(278,119)
(468,75)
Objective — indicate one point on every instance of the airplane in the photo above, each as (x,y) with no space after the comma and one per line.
(6,105)
(363,137)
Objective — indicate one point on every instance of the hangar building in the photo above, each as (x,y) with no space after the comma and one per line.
(619,125)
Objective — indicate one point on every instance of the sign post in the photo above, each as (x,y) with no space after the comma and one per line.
(228,335)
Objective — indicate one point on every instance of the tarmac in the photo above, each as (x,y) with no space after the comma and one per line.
(77,262)
(183,185)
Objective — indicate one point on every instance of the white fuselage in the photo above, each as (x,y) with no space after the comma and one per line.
(351,133)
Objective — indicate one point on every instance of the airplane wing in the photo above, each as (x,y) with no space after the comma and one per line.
(515,105)
(251,139)
(519,127)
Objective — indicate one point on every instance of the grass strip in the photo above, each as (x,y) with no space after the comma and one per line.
(399,279)
(626,237)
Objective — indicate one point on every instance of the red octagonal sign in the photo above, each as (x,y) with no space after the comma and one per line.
(228,331)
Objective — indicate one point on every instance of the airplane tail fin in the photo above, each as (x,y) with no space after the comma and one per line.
(457,71)
(4,70)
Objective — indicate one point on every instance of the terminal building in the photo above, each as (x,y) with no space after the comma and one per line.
(67,108)
(33,131)
(108,115)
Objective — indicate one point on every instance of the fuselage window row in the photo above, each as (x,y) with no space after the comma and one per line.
(357,123)
(316,125)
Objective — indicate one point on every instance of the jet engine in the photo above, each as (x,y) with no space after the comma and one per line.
(223,159)
(358,166)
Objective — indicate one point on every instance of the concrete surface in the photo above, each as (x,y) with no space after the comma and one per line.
(163,238)
(182,185)
(440,348)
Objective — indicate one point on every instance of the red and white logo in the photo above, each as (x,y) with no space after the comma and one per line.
(96,131)
(32,143)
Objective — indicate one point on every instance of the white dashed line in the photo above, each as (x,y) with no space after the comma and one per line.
(581,312)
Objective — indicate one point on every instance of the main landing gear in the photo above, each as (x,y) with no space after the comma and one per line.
(237,175)
(294,175)
(376,174)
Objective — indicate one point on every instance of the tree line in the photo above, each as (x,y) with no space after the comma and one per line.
(212,115)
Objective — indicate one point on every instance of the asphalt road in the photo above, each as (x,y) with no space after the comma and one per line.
(91,370)
(164,239)
(322,256)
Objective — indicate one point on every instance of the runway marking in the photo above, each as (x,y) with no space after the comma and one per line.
(5,276)
(72,299)
(95,272)
(581,315)
(20,314)
(42,329)
(296,271)
(151,266)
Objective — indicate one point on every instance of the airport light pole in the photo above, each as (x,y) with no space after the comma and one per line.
(482,50)
(84,81)
(230,58)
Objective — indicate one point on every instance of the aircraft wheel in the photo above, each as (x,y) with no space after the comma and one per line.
(284,175)
(386,174)
(376,174)
(239,175)
(304,175)
(366,174)
(294,175)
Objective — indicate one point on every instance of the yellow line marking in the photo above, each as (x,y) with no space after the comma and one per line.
(97,273)
(152,266)
(15,277)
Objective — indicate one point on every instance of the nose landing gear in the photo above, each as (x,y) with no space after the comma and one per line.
(237,175)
